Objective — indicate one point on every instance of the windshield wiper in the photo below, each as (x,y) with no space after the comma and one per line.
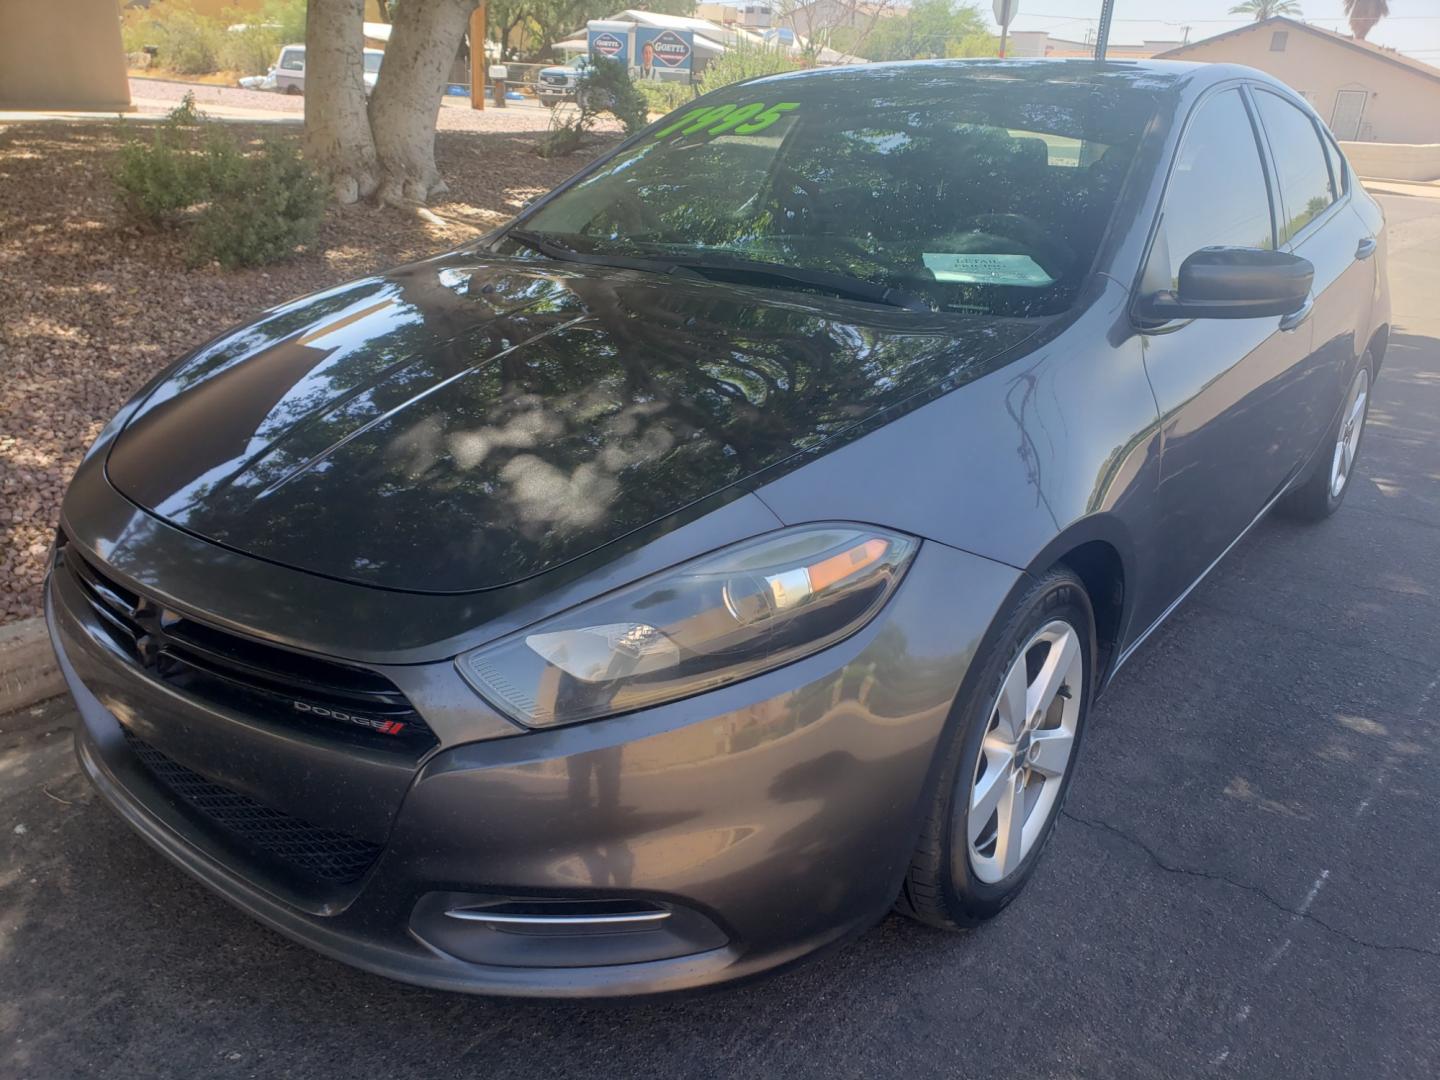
(829,280)
(553,249)
(696,265)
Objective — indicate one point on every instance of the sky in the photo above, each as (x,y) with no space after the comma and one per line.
(1413,26)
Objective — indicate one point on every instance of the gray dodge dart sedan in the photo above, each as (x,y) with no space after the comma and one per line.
(731,548)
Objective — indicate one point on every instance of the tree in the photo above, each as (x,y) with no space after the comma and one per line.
(1265,9)
(926,31)
(549,21)
(979,44)
(338,141)
(384,147)
(843,25)
(1364,14)
(424,41)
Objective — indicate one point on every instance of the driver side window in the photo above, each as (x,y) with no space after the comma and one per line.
(1217,193)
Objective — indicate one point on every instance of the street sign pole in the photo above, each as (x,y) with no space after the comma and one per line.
(1102,35)
(1004,12)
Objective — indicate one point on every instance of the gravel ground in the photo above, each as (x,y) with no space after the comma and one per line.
(159,95)
(91,306)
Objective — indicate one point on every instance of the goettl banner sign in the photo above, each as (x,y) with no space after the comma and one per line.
(609,44)
(659,50)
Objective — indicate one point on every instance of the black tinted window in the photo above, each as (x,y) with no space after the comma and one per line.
(1300,161)
(984,193)
(1337,166)
(1217,193)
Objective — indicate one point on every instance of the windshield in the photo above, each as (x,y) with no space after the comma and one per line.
(979,191)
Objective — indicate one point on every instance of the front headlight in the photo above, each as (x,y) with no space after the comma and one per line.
(703,624)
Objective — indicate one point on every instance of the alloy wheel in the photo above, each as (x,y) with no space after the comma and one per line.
(1026,749)
(1351,428)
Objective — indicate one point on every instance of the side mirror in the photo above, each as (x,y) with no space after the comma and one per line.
(1233,283)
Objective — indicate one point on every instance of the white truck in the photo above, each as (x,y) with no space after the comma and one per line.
(287,74)
(556,84)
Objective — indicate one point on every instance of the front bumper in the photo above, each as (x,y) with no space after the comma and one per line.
(767,819)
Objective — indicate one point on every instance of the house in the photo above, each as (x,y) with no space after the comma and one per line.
(1043,43)
(756,14)
(816,18)
(1365,92)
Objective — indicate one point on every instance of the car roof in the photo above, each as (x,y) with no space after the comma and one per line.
(1157,77)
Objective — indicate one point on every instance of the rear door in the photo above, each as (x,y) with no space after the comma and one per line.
(1317,224)
(1225,388)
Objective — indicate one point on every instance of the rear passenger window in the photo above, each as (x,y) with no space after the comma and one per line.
(1304,175)
(1337,166)
(1217,193)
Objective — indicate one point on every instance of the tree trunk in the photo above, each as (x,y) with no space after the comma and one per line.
(406,101)
(338,142)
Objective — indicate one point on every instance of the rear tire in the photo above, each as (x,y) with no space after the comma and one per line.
(1003,760)
(1334,469)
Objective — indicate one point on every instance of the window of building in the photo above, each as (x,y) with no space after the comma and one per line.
(1278,39)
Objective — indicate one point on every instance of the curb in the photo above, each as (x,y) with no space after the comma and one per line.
(29,671)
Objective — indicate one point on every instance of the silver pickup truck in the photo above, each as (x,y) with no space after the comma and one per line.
(557,84)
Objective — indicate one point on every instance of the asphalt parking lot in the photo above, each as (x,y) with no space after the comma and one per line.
(1245,880)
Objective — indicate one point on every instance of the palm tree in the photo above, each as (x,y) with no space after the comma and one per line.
(1264,9)
(1364,14)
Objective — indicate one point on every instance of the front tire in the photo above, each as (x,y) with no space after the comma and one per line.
(1009,760)
(1324,491)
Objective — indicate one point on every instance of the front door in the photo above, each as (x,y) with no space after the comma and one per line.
(1349,108)
(1223,386)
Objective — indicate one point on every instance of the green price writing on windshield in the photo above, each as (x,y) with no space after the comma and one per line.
(717,119)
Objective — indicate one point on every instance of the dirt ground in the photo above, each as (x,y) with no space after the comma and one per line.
(91,306)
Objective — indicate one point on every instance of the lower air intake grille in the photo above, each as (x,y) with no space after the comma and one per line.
(319,853)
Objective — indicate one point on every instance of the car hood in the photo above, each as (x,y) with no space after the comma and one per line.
(470,421)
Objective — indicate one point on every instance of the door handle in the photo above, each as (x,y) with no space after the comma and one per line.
(1296,319)
(1365,248)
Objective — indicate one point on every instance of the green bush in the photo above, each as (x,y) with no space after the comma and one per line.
(242,209)
(159,179)
(135,35)
(568,126)
(287,19)
(190,43)
(744,62)
(664,97)
(606,86)
(262,206)
(251,50)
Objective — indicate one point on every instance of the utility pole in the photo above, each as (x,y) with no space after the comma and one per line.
(1102,35)
(477,56)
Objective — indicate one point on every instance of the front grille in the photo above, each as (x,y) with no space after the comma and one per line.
(333,699)
(318,853)
(554,80)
